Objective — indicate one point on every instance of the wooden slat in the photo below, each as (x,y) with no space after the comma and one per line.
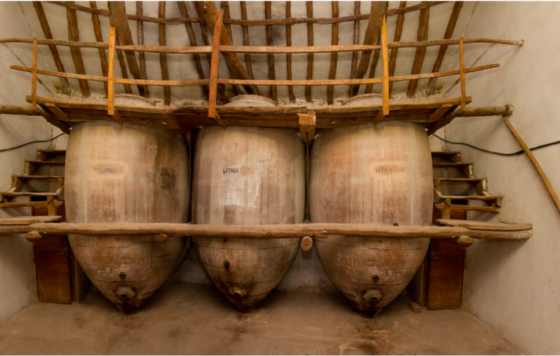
(272,92)
(214,66)
(119,19)
(246,42)
(385,55)
(122,65)
(140,41)
(451,24)
(209,13)
(371,36)
(34,76)
(355,40)
(422,35)
(396,38)
(111,71)
(74,35)
(374,61)
(291,94)
(183,9)
(334,56)
(310,41)
(48,34)
(99,38)
(163,56)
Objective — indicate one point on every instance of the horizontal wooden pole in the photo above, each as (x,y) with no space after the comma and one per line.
(19,110)
(485,111)
(270,231)
(263,49)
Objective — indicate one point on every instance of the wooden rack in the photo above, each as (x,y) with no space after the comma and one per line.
(433,113)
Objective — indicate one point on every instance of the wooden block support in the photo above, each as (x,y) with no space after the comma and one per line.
(307,125)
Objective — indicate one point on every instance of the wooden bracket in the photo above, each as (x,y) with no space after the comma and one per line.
(307,124)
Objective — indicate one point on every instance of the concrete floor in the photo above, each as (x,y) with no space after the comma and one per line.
(188,318)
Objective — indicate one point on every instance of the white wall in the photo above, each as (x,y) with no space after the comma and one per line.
(17,274)
(516,286)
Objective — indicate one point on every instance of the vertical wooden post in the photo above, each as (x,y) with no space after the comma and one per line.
(462,72)
(214,66)
(310,40)
(111,71)
(34,75)
(385,55)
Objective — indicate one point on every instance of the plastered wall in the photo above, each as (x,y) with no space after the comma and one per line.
(17,274)
(516,286)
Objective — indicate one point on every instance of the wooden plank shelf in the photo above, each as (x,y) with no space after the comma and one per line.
(317,230)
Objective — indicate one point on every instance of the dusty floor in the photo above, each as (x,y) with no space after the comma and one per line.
(185,318)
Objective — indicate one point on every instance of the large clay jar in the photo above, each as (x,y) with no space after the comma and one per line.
(119,173)
(247,175)
(375,173)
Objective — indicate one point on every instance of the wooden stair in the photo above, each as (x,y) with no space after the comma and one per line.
(41,185)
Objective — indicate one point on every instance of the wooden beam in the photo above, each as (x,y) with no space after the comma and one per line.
(140,41)
(289,76)
(246,42)
(119,19)
(99,38)
(451,24)
(355,40)
(183,9)
(504,110)
(462,77)
(48,34)
(28,220)
(163,56)
(553,194)
(372,34)
(208,14)
(334,57)
(396,38)
(224,5)
(74,35)
(422,35)
(273,92)
(310,41)
(34,76)
(122,65)
(19,110)
(374,60)
(317,230)
(214,66)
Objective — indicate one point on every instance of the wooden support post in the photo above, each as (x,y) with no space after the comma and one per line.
(34,75)
(385,55)
(140,42)
(355,39)
(307,124)
(246,42)
(462,77)
(214,67)
(111,72)
(535,162)
(375,57)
